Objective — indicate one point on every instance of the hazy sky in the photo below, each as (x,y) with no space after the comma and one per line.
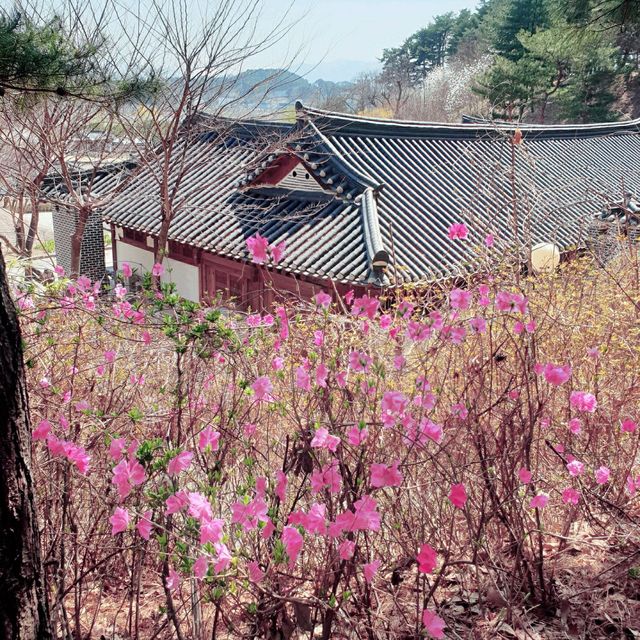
(330,31)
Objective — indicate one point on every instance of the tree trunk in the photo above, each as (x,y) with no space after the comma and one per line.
(23,606)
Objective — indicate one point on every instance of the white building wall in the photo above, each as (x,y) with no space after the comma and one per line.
(137,258)
(186,276)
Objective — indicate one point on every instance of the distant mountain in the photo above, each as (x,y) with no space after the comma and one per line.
(338,70)
(274,91)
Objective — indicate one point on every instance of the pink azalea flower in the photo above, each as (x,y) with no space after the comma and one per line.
(268,529)
(419,435)
(173,580)
(318,338)
(365,306)
(478,324)
(261,487)
(433,624)
(199,507)
(179,463)
(540,501)
(514,302)
(119,521)
(127,474)
(385,321)
(177,502)
(127,272)
(489,240)
(42,430)
(394,402)
(460,299)
(322,373)
(524,475)
(277,251)
(82,405)
(346,549)
(284,322)
(248,515)
(302,379)
(144,525)
(364,517)
(281,485)
(292,540)
(257,246)
(583,401)
(427,559)
(323,299)
(328,477)
(628,426)
(575,426)
(211,531)
(399,362)
(370,569)
(602,475)
(77,455)
(223,557)
(208,438)
(385,476)
(262,389)
(360,362)
(324,440)
(157,270)
(201,567)
(458,495)
(256,574)
(458,231)
(460,410)
(314,521)
(570,496)
(575,468)
(556,374)
(483,295)
(356,436)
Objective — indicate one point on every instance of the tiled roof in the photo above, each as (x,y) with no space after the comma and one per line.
(392,191)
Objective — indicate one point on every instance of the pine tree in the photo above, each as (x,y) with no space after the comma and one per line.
(518,16)
(33,58)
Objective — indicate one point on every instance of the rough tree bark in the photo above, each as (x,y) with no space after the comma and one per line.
(24,612)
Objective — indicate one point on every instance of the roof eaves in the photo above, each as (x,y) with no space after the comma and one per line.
(348,124)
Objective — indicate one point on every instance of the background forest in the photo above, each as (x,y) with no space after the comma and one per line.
(542,61)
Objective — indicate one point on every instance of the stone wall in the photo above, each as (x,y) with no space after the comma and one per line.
(92,262)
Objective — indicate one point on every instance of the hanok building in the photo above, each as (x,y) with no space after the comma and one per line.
(367,203)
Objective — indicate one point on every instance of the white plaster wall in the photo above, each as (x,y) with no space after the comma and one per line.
(186,276)
(138,258)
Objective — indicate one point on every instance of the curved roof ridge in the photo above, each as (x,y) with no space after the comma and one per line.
(358,122)
(338,158)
